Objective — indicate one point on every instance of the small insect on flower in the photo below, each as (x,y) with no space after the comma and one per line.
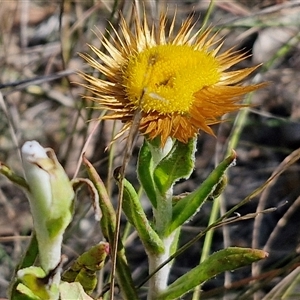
(179,82)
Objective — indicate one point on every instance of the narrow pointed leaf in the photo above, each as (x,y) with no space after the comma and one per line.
(186,207)
(108,222)
(224,260)
(20,181)
(145,171)
(137,217)
(108,219)
(177,164)
(84,268)
(125,280)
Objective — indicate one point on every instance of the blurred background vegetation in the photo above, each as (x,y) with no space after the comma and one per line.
(40,99)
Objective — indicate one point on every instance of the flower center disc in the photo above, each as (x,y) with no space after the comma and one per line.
(164,78)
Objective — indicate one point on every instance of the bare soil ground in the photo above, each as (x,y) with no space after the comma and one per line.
(39,45)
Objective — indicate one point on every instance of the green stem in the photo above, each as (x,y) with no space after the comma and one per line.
(208,14)
(158,282)
(163,213)
(208,241)
(162,218)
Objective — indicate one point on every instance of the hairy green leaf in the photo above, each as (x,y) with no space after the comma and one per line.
(137,217)
(108,222)
(186,207)
(224,260)
(145,172)
(177,164)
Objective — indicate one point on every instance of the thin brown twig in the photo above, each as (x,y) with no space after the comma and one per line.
(281,223)
(285,164)
(265,11)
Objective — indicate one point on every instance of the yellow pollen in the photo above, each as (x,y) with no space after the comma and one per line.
(164,78)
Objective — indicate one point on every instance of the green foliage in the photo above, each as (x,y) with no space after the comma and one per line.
(84,268)
(107,223)
(145,172)
(51,198)
(221,261)
(186,207)
(137,217)
(158,178)
(27,260)
(34,284)
(177,164)
(73,290)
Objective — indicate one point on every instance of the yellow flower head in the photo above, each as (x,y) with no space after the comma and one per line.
(177,82)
